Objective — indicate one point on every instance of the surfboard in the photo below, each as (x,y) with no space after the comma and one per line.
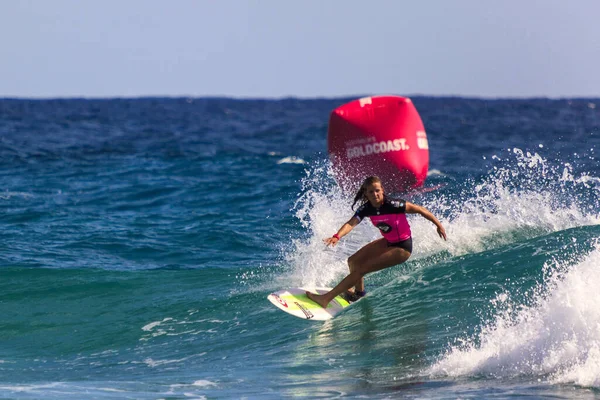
(295,302)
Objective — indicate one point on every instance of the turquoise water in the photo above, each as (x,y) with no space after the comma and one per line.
(141,237)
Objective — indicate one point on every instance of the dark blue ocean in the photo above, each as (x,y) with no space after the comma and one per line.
(141,237)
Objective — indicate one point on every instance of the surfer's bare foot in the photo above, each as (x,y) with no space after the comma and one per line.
(318,298)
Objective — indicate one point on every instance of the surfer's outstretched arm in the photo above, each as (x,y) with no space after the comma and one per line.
(343,231)
(425,213)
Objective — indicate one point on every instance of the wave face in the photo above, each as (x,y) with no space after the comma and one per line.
(141,237)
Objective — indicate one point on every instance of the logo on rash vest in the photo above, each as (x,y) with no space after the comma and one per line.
(383,227)
(280,300)
(308,314)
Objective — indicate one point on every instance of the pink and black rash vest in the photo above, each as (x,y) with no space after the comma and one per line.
(390,218)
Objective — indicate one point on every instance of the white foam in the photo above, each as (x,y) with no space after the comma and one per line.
(155,363)
(55,386)
(558,336)
(149,327)
(291,160)
(435,172)
(204,383)
(7,195)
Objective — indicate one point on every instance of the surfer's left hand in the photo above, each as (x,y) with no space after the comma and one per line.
(442,232)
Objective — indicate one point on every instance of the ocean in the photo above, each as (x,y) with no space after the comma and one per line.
(141,237)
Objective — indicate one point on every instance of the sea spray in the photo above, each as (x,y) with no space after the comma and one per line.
(322,208)
(522,196)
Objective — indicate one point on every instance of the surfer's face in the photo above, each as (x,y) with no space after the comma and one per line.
(374,193)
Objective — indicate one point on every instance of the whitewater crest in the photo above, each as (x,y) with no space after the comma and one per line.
(556,337)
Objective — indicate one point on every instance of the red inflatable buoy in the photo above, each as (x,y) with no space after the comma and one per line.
(379,135)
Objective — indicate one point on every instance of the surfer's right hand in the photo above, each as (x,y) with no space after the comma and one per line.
(331,241)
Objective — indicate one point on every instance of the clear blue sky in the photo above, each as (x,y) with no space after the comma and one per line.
(308,48)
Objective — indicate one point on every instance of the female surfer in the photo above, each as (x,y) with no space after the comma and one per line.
(393,248)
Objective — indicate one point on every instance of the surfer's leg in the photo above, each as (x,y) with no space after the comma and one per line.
(345,284)
(380,256)
(361,257)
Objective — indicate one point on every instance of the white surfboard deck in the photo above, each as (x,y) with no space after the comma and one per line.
(295,302)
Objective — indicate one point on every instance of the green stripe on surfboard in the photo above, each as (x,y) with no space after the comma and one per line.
(309,304)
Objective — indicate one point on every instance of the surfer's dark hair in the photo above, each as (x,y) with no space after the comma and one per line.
(360,195)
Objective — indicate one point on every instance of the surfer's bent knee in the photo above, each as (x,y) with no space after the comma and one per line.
(352,263)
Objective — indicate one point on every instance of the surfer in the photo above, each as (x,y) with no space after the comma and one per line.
(392,249)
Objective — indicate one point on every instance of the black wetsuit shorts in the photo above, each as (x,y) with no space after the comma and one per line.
(404,244)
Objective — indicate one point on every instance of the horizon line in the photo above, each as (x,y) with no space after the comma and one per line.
(294,97)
